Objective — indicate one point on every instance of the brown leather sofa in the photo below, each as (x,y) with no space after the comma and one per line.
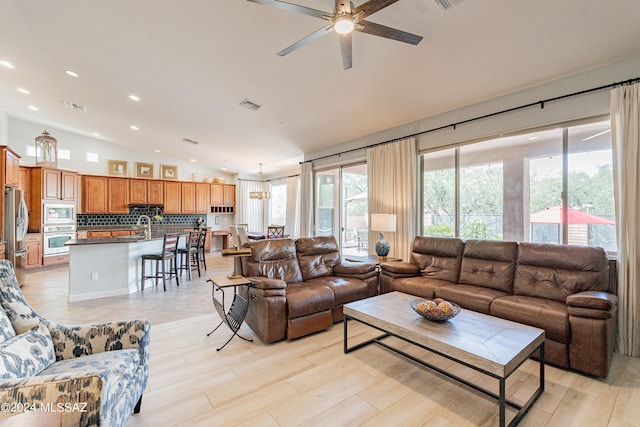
(562,289)
(299,287)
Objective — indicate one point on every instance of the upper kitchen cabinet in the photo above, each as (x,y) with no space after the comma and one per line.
(94,194)
(138,191)
(217,194)
(118,195)
(203,204)
(53,184)
(172,197)
(10,167)
(229,195)
(223,198)
(188,197)
(155,192)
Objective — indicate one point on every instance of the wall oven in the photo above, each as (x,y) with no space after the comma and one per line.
(57,213)
(54,238)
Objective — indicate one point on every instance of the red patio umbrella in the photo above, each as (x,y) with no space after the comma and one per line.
(554,215)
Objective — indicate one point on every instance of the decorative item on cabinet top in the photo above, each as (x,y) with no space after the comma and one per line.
(46,150)
(168,172)
(118,167)
(144,170)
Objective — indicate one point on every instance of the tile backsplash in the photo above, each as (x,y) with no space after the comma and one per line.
(83,220)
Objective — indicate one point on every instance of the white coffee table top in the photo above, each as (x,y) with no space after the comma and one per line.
(495,345)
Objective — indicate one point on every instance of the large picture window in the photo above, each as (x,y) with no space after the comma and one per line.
(552,186)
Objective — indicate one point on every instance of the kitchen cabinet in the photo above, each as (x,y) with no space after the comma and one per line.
(223,198)
(118,195)
(155,193)
(203,205)
(172,197)
(25,186)
(98,234)
(229,195)
(138,191)
(217,191)
(55,260)
(10,167)
(94,194)
(54,184)
(188,197)
(33,245)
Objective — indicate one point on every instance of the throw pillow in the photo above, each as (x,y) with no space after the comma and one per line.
(27,354)
(18,310)
(6,330)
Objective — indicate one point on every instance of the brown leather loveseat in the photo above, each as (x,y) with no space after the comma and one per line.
(564,290)
(300,286)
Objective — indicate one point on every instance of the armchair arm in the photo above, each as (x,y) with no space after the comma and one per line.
(592,304)
(267,283)
(80,340)
(76,395)
(353,268)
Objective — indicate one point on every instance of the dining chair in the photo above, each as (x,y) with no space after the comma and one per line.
(201,243)
(242,236)
(188,253)
(168,254)
(275,231)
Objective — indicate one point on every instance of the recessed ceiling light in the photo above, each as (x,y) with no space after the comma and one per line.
(224,169)
(134,98)
(532,138)
(7,64)
(192,160)
(134,127)
(95,134)
(33,108)
(156,150)
(71,73)
(23,90)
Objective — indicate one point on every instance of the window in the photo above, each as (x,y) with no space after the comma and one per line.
(553,186)
(278,213)
(92,157)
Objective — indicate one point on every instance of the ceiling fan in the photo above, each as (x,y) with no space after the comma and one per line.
(344,20)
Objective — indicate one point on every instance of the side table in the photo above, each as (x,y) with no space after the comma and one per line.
(234,316)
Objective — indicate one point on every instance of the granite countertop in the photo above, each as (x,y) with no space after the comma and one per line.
(120,239)
(134,227)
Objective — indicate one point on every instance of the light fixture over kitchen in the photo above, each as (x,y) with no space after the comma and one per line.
(260,194)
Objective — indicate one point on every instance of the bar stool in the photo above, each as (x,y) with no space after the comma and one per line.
(201,242)
(169,248)
(189,253)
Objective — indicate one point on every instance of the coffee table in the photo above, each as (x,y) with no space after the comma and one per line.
(493,346)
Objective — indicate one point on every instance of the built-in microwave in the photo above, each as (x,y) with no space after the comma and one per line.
(58,213)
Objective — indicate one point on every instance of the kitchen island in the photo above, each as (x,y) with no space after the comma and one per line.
(110,266)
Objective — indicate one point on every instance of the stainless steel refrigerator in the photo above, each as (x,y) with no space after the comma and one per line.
(16,223)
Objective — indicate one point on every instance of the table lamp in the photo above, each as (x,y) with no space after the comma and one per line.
(382,223)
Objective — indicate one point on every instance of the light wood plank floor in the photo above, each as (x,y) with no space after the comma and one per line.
(309,381)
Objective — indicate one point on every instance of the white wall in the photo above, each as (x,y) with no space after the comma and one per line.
(22,133)
(579,107)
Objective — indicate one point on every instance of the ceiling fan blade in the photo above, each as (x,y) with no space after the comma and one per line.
(311,37)
(372,6)
(388,32)
(292,7)
(345,48)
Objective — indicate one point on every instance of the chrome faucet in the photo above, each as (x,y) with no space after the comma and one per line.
(147,230)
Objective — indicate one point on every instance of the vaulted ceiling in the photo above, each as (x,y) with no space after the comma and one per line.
(192,62)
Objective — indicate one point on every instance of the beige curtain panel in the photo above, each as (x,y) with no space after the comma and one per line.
(625,140)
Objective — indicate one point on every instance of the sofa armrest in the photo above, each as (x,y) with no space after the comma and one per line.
(267,282)
(593,304)
(353,268)
(76,395)
(400,268)
(80,340)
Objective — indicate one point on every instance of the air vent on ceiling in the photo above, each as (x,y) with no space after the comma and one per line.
(190,141)
(447,4)
(75,106)
(250,105)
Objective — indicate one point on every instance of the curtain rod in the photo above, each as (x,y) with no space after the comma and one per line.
(268,180)
(485,116)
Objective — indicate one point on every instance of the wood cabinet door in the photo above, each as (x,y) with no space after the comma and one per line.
(188,197)
(12,169)
(34,254)
(94,190)
(155,194)
(137,191)
(118,195)
(68,185)
(203,192)
(229,195)
(171,197)
(217,194)
(51,184)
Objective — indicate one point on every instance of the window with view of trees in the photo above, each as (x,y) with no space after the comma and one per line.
(512,188)
(278,211)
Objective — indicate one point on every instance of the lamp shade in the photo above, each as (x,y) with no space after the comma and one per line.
(383,222)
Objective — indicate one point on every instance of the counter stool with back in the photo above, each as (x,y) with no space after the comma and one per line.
(169,251)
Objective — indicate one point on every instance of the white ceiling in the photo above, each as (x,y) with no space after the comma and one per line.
(193,61)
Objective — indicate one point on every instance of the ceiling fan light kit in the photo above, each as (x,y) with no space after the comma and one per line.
(344,20)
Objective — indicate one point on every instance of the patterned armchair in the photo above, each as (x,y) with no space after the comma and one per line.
(97,373)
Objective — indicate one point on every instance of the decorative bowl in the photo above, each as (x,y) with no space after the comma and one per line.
(437,310)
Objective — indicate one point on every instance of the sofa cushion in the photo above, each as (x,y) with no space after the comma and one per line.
(476,298)
(27,354)
(273,258)
(488,263)
(344,289)
(438,257)
(419,286)
(552,316)
(557,271)
(19,312)
(317,256)
(305,298)
(6,329)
